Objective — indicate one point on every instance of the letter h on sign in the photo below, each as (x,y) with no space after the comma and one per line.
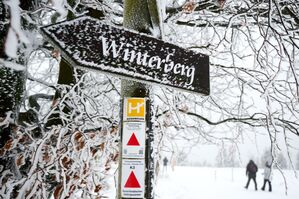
(134,109)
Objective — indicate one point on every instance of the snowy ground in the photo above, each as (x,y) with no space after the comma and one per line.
(225,183)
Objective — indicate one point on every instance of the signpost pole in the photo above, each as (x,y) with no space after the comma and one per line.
(138,9)
(149,159)
(129,90)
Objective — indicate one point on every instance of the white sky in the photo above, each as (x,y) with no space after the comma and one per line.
(253,148)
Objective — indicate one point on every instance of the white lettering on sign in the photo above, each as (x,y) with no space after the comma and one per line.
(113,46)
(136,108)
(167,65)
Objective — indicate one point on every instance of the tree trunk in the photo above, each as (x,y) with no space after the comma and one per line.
(12,82)
(141,16)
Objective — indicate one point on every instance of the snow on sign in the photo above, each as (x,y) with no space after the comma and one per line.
(134,109)
(132,182)
(133,144)
(91,44)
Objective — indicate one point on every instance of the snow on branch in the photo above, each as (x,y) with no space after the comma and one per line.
(12,65)
(15,32)
(59,5)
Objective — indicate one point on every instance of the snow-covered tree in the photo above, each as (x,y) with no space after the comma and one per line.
(221,157)
(282,161)
(253,50)
(254,78)
(182,158)
(227,156)
(266,157)
(278,159)
(60,138)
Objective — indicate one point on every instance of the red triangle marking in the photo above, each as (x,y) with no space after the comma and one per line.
(133,141)
(132,181)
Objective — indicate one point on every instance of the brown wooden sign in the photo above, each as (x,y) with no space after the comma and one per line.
(91,44)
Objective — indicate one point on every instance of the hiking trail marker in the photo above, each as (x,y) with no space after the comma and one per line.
(133,143)
(133,140)
(134,109)
(92,44)
(132,178)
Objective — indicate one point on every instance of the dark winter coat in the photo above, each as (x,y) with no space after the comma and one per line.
(165,161)
(251,169)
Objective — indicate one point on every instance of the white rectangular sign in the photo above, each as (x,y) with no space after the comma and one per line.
(132,180)
(133,143)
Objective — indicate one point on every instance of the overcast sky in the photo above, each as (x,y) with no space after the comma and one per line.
(253,147)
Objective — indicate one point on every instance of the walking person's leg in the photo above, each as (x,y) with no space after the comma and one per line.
(270,186)
(255,184)
(263,188)
(248,181)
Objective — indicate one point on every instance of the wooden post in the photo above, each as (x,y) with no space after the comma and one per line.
(136,89)
(137,17)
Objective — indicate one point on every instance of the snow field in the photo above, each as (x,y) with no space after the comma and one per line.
(222,183)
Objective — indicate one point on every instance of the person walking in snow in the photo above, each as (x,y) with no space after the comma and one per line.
(173,163)
(251,170)
(165,162)
(267,176)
